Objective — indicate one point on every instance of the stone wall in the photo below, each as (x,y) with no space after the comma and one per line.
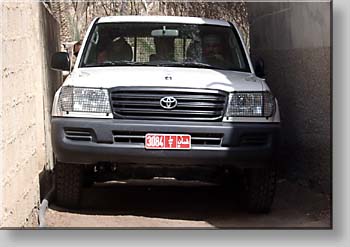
(28,34)
(294,41)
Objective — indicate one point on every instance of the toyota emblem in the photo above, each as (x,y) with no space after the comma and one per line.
(168,103)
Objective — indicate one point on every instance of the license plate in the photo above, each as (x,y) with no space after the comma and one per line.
(167,141)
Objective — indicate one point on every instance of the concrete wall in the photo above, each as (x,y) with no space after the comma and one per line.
(28,33)
(294,41)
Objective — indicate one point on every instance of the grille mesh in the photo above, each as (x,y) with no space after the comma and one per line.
(192,104)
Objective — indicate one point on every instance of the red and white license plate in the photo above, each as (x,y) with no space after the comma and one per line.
(167,141)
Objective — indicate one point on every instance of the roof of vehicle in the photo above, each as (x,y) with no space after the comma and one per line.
(163,19)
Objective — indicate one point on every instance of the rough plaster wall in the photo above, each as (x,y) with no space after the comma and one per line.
(1,118)
(52,80)
(294,41)
(22,103)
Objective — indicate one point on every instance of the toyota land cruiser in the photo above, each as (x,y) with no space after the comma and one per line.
(153,96)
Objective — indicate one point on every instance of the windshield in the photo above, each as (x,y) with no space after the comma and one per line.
(164,44)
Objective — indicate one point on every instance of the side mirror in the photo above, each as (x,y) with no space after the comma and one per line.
(60,61)
(259,68)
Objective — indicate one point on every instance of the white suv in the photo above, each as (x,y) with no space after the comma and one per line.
(153,96)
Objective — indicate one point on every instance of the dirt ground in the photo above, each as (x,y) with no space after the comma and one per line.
(172,204)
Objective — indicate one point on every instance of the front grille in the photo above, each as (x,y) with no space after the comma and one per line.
(202,139)
(192,104)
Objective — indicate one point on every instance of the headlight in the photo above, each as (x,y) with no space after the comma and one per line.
(250,104)
(79,99)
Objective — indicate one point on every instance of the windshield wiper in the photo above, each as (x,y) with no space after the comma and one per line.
(189,64)
(200,65)
(115,63)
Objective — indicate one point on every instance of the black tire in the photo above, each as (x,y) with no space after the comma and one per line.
(257,189)
(88,179)
(68,184)
(87,182)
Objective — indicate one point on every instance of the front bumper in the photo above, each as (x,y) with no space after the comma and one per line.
(89,141)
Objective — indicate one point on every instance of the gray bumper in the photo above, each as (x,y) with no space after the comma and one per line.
(89,141)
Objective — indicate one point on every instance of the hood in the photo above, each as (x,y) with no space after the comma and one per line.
(108,77)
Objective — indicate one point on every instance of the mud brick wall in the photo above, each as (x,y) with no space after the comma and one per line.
(294,41)
(28,33)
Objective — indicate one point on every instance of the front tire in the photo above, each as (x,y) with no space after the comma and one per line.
(257,190)
(68,184)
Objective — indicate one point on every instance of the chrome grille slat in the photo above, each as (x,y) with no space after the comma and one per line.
(172,112)
(156,103)
(192,104)
(197,139)
(152,96)
(206,138)
(129,136)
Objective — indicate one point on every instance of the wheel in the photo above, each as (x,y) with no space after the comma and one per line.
(257,189)
(68,184)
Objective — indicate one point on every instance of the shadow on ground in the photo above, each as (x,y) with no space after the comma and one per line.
(189,204)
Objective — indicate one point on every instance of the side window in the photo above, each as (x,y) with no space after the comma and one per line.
(131,42)
(193,50)
(91,48)
(238,57)
(144,49)
(181,46)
